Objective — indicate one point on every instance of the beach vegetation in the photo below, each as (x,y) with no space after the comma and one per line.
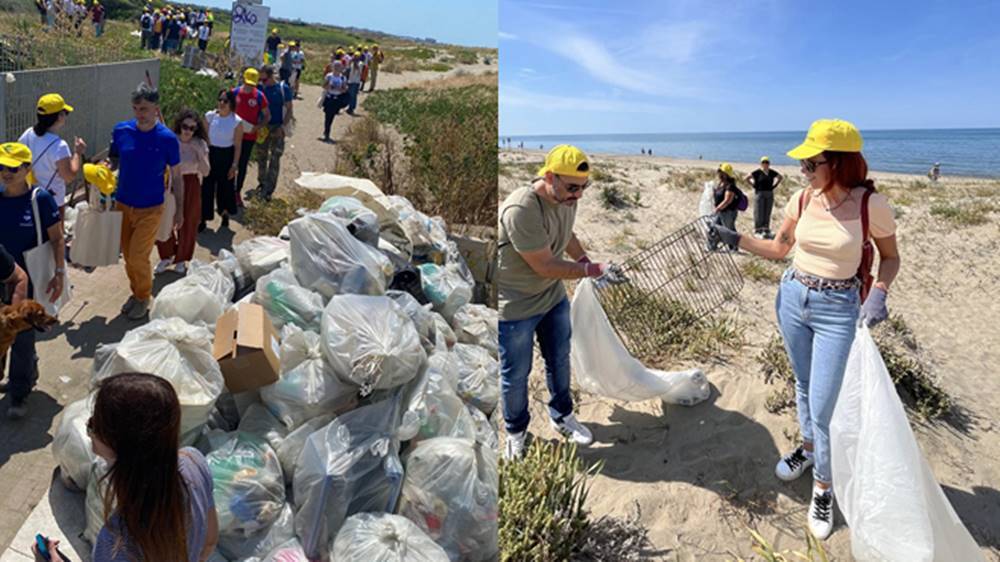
(267,218)
(760,270)
(814,549)
(602,175)
(371,150)
(965,213)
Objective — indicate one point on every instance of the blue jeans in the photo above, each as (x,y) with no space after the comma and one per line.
(516,354)
(818,328)
(352,91)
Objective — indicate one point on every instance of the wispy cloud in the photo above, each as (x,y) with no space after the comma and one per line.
(507,36)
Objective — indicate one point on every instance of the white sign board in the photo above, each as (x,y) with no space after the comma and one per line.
(249,31)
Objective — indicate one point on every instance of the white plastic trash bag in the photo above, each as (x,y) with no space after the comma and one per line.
(486,431)
(445,288)
(477,324)
(262,254)
(178,352)
(227,263)
(291,446)
(97,487)
(421,315)
(257,420)
(478,377)
(371,342)
(428,237)
(706,204)
(446,338)
(450,492)
(200,297)
(71,446)
(361,221)
(327,259)
(262,543)
(383,537)
(349,466)
(287,302)
(603,366)
(893,505)
(308,387)
(436,410)
(289,551)
(249,487)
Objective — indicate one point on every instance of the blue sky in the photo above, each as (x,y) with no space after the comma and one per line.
(748,65)
(462,22)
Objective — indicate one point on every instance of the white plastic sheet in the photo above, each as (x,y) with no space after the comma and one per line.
(287,302)
(178,352)
(349,466)
(308,387)
(262,254)
(382,537)
(327,259)
(450,492)
(478,377)
(71,446)
(893,505)
(478,324)
(603,366)
(249,487)
(371,342)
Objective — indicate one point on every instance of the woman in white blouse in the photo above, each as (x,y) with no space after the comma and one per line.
(225,137)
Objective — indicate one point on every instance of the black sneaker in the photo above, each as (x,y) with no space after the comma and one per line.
(792,465)
(225,222)
(18,409)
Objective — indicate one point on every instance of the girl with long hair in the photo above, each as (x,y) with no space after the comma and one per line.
(819,302)
(158,504)
(192,133)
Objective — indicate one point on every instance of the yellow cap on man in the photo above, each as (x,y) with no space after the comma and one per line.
(251,77)
(566,160)
(828,134)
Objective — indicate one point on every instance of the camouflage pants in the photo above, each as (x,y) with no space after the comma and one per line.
(269,163)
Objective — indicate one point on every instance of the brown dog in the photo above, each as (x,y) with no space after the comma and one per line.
(15,319)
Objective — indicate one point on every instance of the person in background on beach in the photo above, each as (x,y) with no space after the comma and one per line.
(378,57)
(97,16)
(818,299)
(252,107)
(269,151)
(726,199)
(764,181)
(935,172)
(272,42)
(186,190)
(335,97)
(354,81)
(144,151)
(298,65)
(649,152)
(158,500)
(225,142)
(535,231)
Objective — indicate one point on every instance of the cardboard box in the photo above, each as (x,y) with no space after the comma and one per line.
(247,348)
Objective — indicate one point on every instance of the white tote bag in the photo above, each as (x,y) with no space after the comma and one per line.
(166,229)
(893,505)
(97,234)
(41,264)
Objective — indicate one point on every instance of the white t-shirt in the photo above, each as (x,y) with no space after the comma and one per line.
(336,82)
(220,129)
(44,161)
(203,33)
(355,74)
(298,58)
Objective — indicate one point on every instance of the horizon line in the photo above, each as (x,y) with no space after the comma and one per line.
(735,132)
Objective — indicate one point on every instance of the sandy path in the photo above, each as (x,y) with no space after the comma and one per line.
(699,474)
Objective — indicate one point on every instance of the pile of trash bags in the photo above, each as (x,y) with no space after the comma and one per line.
(377,440)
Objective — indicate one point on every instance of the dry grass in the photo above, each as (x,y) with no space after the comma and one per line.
(268,218)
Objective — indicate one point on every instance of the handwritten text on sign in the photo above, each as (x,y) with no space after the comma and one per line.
(249,30)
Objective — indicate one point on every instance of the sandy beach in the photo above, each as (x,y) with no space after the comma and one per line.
(697,477)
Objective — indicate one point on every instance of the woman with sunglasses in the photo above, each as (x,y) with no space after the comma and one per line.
(818,304)
(158,503)
(18,235)
(225,141)
(186,186)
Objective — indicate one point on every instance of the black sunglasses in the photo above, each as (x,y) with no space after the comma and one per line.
(191,128)
(810,166)
(573,187)
(10,169)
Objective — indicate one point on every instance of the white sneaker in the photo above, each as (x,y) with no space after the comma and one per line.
(821,513)
(793,465)
(514,446)
(181,268)
(162,266)
(570,427)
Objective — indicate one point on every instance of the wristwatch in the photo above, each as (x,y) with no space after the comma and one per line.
(60,270)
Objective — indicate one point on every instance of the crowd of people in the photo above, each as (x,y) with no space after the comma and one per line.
(166,29)
(72,14)
(344,77)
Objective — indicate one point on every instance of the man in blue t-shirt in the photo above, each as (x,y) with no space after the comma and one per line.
(143,150)
(279,100)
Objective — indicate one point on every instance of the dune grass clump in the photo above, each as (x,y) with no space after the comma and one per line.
(964,214)
(760,270)
(814,550)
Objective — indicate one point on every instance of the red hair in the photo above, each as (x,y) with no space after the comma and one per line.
(848,169)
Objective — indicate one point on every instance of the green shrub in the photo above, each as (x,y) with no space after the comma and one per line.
(450,146)
(542,498)
(180,88)
(760,270)
(964,214)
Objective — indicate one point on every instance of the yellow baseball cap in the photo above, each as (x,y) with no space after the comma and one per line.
(274,30)
(828,134)
(52,103)
(566,160)
(251,76)
(727,168)
(340,51)
(765,159)
(100,177)
(14,154)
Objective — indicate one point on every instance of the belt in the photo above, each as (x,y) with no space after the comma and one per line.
(820,283)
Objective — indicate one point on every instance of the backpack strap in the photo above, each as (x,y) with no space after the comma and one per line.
(865,232)
(803,195)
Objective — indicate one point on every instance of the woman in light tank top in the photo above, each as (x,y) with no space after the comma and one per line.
(819,301)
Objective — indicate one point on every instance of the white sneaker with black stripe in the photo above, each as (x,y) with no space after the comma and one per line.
(514,446)
(572,428)
(821,513)
(793,465)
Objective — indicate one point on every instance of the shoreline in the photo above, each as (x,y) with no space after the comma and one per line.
(742,168)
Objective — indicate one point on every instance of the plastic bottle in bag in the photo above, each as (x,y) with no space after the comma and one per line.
(287,302)
(478,377)
(328,259)
(445,288)
(478,324)
(249,487)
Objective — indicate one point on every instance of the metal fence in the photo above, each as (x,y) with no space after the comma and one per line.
(100,95)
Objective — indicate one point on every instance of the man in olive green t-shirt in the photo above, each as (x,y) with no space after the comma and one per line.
(535,230)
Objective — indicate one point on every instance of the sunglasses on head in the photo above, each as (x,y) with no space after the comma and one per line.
(810,165)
